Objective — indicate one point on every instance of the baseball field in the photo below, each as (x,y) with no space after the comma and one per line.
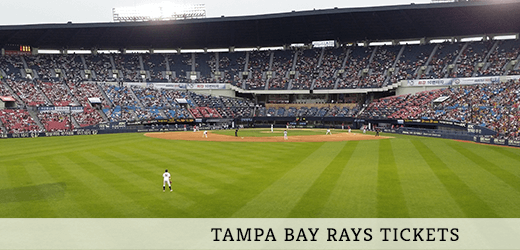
(257,175)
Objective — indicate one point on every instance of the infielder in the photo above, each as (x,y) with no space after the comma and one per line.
(328,132)
(271,128)
(166,179)
(205,134)
(285,135)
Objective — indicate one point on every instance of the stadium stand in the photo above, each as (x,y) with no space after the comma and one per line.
(495,106)
(61,81)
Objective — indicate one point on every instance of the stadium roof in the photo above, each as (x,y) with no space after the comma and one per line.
(345,25)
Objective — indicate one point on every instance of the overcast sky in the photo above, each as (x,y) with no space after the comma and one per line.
(87,11)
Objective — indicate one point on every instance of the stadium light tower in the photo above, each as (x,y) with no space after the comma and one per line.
(162,12)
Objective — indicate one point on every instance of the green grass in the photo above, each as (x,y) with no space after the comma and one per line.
(119,176)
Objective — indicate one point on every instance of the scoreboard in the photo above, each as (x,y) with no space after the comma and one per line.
(17,49)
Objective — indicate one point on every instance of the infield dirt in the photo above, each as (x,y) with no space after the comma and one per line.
(198,136)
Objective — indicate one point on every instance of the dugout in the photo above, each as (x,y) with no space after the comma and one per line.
(7,102)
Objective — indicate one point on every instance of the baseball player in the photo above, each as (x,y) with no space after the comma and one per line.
(205,134)
(285,135)
(271,128)
(349,130)
(195,128)
(328,132)
(166,179)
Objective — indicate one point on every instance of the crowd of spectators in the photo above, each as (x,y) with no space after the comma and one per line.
(282,65)
(18,121)
(468,61)
(258,67)
(331,63)
(58,93)
(331,110)
(306,68)
(55,121)
(88,117)
(353,73)
(495,106)
(101,65)
(361,71)
(383,60)
(129,65)
(28,91)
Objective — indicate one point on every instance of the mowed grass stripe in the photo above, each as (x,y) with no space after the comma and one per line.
(313,201)
(354,195)
(210,154)
(153,173)
(193,153)
(390,198)
(60,201)
(425,195)
(116,201)
(511,179)
(121,182)
(36,147)
(145,193)
(233,197)
(82,195)
(508,158)
(12,197)
(469,202)
(146,177)
(44,191)
(492,179)
(280,198)
(183,163)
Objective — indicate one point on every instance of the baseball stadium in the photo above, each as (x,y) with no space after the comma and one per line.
(406,111)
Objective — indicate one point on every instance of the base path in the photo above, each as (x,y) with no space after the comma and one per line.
(198,136)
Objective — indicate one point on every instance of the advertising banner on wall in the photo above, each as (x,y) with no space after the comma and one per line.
(60,109)
(184,86)
(455,81)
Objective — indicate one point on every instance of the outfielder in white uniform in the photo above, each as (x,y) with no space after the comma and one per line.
(166,179)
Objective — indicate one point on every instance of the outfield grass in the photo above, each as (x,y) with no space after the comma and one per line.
(119,175)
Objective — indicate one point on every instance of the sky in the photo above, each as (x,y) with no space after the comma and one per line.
(89,11)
